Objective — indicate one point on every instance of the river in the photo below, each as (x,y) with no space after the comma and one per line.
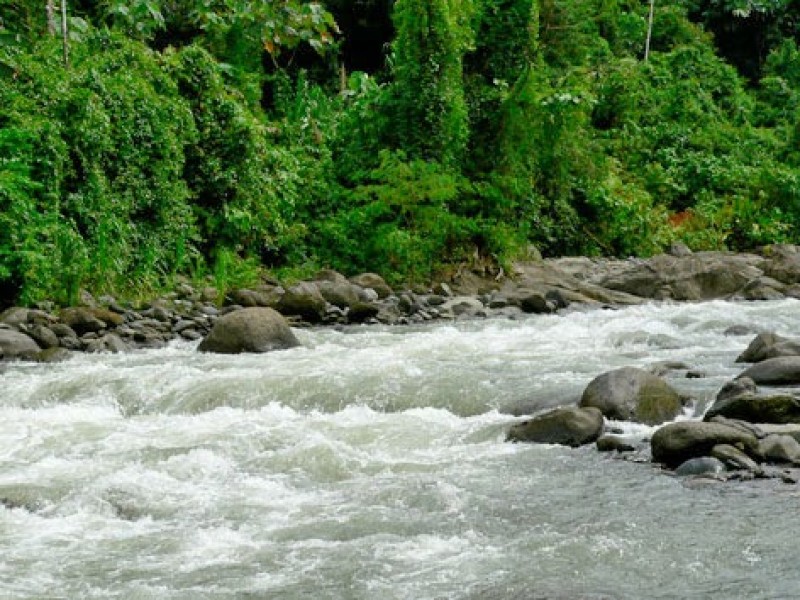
(370,463)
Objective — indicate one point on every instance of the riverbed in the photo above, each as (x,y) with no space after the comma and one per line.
(371,463)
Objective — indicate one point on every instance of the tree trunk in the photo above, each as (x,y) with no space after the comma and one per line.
(51,18)
(649,30)
(65,32)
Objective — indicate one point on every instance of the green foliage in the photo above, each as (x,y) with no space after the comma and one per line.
(497,124)
(428,109)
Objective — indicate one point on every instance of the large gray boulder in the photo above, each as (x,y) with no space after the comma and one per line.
(567,426)
(783,263)
(249,330)
(340,293)
(699,276)
(784,370)
(676,443)
(778,408)
(374,282)
(305,301)
(14,344)
(768,345)
(631,394)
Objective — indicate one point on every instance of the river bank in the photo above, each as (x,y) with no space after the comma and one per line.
(330,299)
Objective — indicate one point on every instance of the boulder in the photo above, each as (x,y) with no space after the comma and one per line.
(778,408)
(613,443)
(535,302)
(43,336)
(361,312)
(303,300)
(15,316)
(784,370)
(339,293)
(743,386)
(249,330)
(53,355)
(701,466)
(768,345)
(780,449)
(85,320)
(631,394)
(567,426)
(783,263)
(373,281)
(462,306)
(698,276)
(676,443)
(734,459)
(14,344)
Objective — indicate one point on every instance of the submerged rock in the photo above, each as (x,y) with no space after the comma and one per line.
(702,465)
(613,443)
(567,426)
(676,443)
(631,394)
(249,330)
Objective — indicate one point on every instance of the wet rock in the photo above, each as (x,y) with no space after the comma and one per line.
(700,466)
(249,330)
(743,386)
(70,342)
(465,306)
(780,449)
(734,458)
(82,320)
(15,316)
(44,336)
(53,355)
(360,312)
(535,303)
(789,429)
(775,371)
(700,276)
(783,263)
(778,408)
(567,426)
(768,345)
(613,443)
(676,443)
(374,282)
(762,288)
(303,300)
(16,345)
(331,276)
(113,343)
(738,330)
(631,394)
(339,293)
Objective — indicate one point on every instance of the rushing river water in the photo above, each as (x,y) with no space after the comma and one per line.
(371,463)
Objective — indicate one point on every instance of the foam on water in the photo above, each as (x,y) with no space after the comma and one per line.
(371,462)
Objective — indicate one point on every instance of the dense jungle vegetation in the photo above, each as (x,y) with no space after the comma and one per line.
(145,140)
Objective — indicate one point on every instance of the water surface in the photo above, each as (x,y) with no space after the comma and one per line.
(371,463)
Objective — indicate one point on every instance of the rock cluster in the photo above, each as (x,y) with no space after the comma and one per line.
(542,286)
(744,434)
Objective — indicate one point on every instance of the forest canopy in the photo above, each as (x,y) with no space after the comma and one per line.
(146,140)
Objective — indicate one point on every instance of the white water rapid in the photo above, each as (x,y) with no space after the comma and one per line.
(371,464)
